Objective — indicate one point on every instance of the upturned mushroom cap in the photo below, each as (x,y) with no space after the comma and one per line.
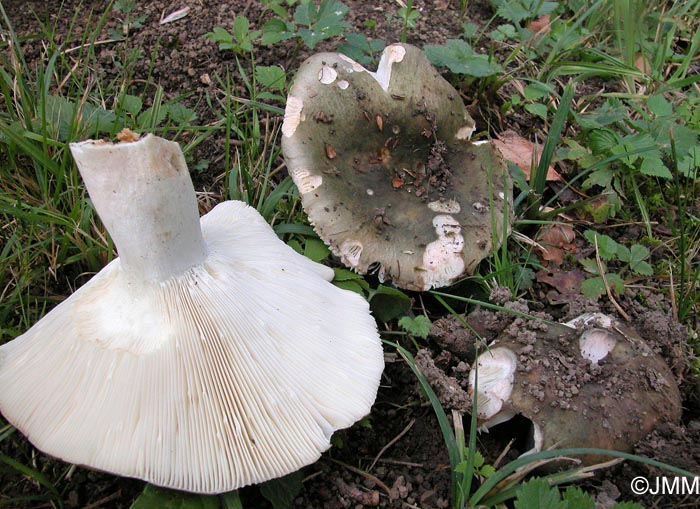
(590,383)
(223,359)
(386,171)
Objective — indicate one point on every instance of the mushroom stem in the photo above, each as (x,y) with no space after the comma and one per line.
(143,194)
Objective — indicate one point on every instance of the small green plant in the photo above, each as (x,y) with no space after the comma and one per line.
(417,326)
(538,492)
(408,16)
(309,25)
(519,11)
(362,49)
(239,40)
(459,57)
(630,260)
(124,11)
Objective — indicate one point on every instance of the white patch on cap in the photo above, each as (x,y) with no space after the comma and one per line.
(442,259)
(496,375)
(392,54)
(327,75)
(465,132)
(292,116)
(305,181)
(342,84)
(596,344)
(482,142)
(445,206)
(350,252)
(355,67)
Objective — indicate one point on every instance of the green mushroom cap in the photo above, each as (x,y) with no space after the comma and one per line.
(386,171)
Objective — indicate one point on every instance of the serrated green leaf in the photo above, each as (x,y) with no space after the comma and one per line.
(388,303)
(638,255)
(346,275)
(537,109)
(281,492)
(617,285)
(152,117)
(275,30)
(601,177)
(478,459)
(601,141)
(154,497)
(315,250)
(181,114)
(538,90)
(220,35)
(353,286)
(655,167)
(589,265)
(593,288)
(240,28)
(131,104)
(537,494)
(642,268)
(607,247)
(503,32)
(97,120)
(623,253)
(457,55)
(271,77)
(418,326)
(576,498)
(610,112)
(487,471)
(659,106)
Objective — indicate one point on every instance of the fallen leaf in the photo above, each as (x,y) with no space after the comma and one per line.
(174,16)
(565,282)
(397,182)
(330,151)
(642,63)
(540,25)
(556,240)
(520,151)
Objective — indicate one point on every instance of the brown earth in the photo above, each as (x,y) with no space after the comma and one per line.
(399,460)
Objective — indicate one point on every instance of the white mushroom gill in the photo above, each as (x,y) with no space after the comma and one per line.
(494,382)
(217,365)
(292,116)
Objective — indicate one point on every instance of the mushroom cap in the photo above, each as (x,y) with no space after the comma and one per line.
(232,373)
(386,171)
(599,386)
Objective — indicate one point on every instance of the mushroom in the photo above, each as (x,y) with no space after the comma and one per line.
(208,356)
(591,382)
(386,171)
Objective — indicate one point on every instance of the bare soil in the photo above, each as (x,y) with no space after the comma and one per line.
(399,459)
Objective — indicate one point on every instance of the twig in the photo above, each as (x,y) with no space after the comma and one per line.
(364,474)
(365,498)
(102,501)
(392,442)
(503,453)
(390,461)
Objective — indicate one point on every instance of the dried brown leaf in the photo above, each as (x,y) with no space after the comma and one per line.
(522,152)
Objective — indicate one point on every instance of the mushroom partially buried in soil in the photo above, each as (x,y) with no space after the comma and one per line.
(386,169)
(208,356)
(591,382)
